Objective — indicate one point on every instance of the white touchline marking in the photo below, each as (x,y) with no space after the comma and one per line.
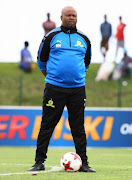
(53,169)
(10,164)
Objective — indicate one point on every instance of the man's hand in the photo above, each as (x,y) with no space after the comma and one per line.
(44,73)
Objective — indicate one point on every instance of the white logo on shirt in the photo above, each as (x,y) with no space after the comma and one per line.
(58,45)
(60,41)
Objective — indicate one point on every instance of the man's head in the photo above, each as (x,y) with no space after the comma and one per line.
(26,44)
(69,17)
(120,18)
(125,52)
(105,18)
(48,16)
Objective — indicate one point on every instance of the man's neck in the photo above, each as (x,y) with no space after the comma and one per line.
(68,29)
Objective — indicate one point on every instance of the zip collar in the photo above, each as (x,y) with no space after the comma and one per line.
(68,30)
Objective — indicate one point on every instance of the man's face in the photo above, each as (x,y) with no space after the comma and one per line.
(69,17)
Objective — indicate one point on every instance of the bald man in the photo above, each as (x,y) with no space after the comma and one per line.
(64,56)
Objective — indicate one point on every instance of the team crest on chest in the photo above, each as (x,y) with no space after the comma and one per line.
(78,43)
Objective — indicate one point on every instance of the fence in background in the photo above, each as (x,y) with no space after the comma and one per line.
(20,91)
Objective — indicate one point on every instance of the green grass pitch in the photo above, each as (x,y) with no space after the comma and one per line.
(110,163)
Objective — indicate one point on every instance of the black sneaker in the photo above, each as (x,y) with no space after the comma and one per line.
(38,166)
(86,168)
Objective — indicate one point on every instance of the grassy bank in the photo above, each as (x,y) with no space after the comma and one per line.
(99,94)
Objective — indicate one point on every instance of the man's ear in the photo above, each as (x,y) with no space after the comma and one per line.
(61,17)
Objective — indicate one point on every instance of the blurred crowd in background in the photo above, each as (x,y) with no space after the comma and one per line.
(108,70)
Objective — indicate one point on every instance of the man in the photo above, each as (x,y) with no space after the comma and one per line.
(124,67)
(106,31)
(48,25)
(26,59)
(120,35)
(63,57)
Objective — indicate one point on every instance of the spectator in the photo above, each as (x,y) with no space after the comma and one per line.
(124,67)
(26,59)
(48,25)
(120,36)
(106,31)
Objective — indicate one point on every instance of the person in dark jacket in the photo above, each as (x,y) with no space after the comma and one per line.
(106,31)
(64,56)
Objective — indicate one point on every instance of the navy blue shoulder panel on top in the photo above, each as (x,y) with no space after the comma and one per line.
(44,49)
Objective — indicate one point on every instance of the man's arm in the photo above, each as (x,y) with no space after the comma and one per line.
(44,73)
(88,54)
(43,54)
(110,30)
(22,58)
